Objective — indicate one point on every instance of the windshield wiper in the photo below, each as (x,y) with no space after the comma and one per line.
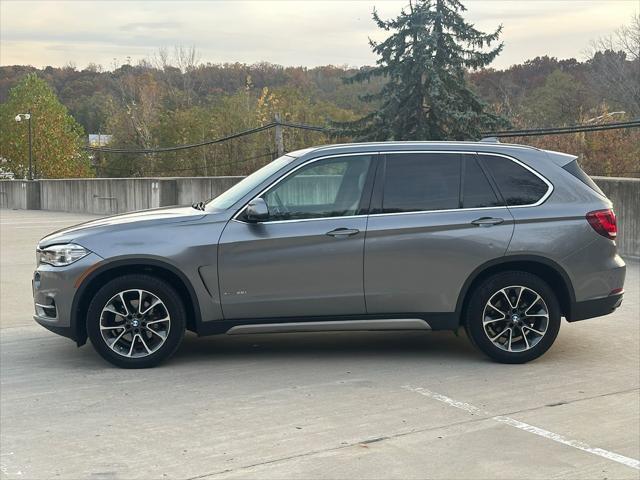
(198,205)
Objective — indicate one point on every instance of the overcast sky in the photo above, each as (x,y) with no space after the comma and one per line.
(294,32)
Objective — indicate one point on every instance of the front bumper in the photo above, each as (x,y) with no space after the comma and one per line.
(67,332)
(595,308)
(53,292)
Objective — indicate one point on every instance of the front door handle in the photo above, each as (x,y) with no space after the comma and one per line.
(343,232)
(487,221)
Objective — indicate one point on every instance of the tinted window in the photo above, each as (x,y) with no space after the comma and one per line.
(424,181)
(518,185)
(476,190)
(326,188)
(574,169)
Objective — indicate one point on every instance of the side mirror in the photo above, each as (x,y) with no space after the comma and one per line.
(257,210)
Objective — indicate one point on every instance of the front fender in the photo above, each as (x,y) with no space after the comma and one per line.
(100,273)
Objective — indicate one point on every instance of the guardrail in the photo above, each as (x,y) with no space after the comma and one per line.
(106,196)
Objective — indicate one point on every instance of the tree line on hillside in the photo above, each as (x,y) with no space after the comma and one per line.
(421,88)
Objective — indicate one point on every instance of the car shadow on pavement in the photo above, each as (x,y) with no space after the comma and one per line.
(440,347)
(334,345)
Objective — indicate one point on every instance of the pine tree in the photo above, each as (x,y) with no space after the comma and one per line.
(424,61)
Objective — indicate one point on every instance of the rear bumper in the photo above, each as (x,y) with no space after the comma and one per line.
(595,308)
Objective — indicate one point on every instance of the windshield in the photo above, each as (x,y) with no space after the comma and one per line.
(240,189)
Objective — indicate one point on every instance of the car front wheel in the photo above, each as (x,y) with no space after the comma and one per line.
(513,317)
(136,321)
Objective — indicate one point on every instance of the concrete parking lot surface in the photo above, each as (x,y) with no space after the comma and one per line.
(347,405)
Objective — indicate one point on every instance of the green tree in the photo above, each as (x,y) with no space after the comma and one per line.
(295,106)
(57,137)
(560,101)
(426,96)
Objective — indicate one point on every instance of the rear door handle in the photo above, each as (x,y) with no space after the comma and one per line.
(487,221)
(343,232)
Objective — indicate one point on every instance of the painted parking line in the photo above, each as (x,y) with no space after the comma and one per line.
(541,432)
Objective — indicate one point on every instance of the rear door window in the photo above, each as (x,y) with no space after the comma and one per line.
(417,182)
(476,191)
(518,185)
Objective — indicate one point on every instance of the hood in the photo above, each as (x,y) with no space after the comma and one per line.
(142,218)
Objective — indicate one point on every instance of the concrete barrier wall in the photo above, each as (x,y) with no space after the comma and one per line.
(197,189)
(625,195)
(100,196)
(13,194)
(309,190)
(106,196)
(19,194)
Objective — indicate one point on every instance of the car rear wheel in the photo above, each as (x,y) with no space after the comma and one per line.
(513,317)
(136,321)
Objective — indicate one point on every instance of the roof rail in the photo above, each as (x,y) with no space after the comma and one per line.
(490,140)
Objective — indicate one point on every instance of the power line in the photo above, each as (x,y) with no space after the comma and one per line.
(564,130)
(303,126)
(300,126)
(182,147)
(509,133)
(186,169)
(317,128)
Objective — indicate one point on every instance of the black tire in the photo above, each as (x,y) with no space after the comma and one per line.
(163,291)
(476,308)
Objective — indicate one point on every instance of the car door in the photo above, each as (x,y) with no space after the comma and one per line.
(435,218)
(306,259)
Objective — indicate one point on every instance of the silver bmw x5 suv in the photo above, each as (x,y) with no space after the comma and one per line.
(502,240)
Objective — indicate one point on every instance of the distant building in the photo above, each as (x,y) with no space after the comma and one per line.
(99,139)
(5,173)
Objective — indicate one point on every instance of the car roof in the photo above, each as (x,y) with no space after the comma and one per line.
(409,146)
(526,153)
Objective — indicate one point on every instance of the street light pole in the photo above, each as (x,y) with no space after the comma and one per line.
(30,149)
(27,116)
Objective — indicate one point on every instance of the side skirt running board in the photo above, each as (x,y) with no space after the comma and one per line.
(332,326)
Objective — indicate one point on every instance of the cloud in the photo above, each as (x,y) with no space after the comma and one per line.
(308,32)
(150,26)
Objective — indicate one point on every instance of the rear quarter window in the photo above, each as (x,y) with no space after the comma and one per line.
(574,169)
(518,185)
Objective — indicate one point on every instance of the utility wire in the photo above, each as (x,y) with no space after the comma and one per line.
(186,169)
(316,128)
(300,126)
(182,147)
(509,133)
(303,126)
(563,130)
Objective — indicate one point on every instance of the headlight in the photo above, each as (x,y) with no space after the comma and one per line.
(61,255)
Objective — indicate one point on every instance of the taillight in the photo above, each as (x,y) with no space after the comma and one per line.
(604,222)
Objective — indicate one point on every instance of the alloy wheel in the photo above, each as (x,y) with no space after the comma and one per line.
(135,323)
(515,318)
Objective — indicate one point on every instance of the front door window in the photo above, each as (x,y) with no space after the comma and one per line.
(322,189)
